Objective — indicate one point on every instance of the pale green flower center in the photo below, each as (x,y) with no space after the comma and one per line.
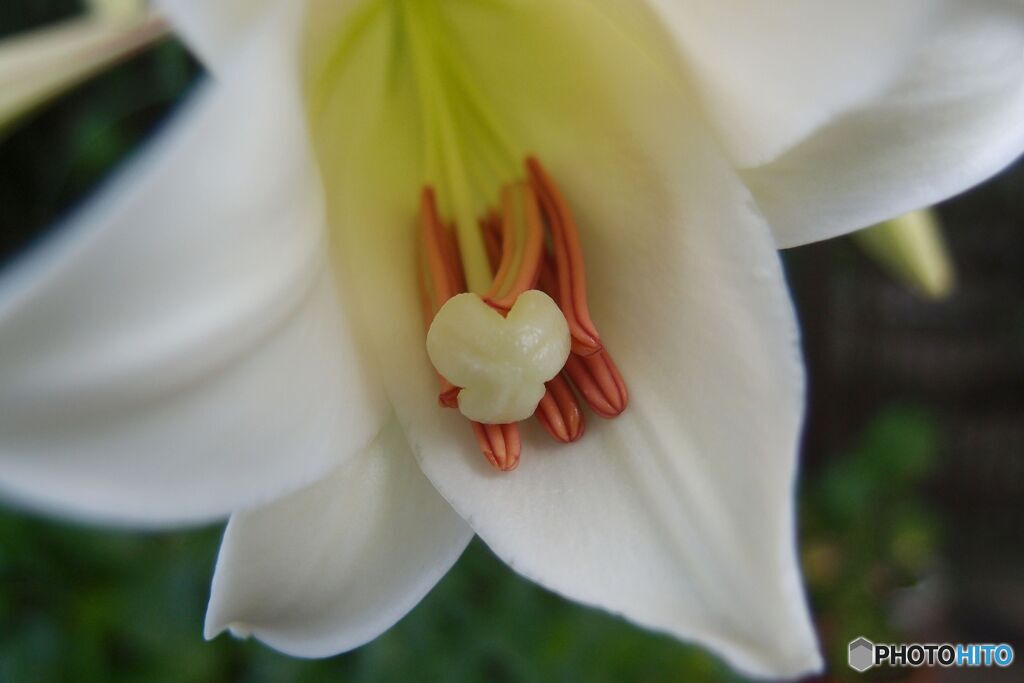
(467,151)
(449,102)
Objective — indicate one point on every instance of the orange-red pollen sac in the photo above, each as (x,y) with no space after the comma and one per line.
(531,242)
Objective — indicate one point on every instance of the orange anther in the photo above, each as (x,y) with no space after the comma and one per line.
(599,381)
(560,413)
(500,444)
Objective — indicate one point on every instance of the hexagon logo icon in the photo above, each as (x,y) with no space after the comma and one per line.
(862,654)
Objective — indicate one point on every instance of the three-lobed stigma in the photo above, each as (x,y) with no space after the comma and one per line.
(527,345)
(500,362)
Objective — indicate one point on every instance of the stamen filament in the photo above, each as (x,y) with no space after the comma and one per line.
(443,283)
(509,227)
(490,226)
(437,277)
(572,279)
(451,257)
(522,249)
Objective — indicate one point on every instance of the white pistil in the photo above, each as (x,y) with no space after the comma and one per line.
(501,363)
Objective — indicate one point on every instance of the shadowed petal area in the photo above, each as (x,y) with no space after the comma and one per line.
(955,118)
(771,73)
(179,351)
(679,514)
(333,566)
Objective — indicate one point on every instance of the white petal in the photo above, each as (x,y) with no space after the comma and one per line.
(179,350)
(680,514)
(214,27)
(770,73)
(954,119)
(335,565)
(42,64)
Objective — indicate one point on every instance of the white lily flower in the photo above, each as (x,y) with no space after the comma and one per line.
(234,325)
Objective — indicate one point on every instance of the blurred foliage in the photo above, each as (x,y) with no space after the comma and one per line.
(17,16)
(867,533)
(87,605)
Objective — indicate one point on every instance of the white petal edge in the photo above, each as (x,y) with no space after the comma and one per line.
(334,565)
(955,119)
(770,73)
(39,65)
(691,533)
(179,351)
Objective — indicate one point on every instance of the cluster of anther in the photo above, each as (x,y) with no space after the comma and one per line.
(531,243)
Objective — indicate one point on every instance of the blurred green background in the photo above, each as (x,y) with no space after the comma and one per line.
(910,500)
